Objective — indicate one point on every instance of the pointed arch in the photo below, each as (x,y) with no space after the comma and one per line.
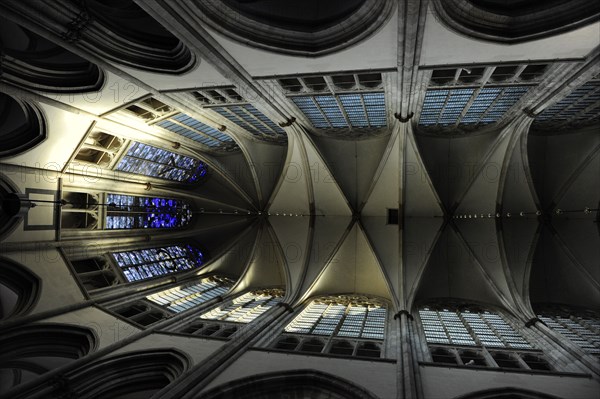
(123,32)
(295,30)
(141,372)
(30,351)
(22,126)
(35,63)
(515,21)
(311,383)
(19,289)
(508,392)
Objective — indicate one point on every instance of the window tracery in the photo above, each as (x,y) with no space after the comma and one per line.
(580,326)
(184,297)
(347,325)
(111,211)
(225,319)
(470,335)
(339,101)
(143,159)
(148,263)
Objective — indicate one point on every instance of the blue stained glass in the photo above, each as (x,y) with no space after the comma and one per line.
(324,112)
(584,97)
(153,262)
(444,107)
(251,119)
(129,212)
(217,137)
(155,162)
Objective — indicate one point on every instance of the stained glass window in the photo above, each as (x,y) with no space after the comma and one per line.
(153,262)
(362,110)
(190,295)
(246,307)
(581,327)
(581,105)
(129,212)
(151,161)
(191,128)
(341,317)
(249,118)
(445,107)
(469,328)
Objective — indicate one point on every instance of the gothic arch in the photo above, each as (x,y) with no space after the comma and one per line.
(311,383)
(35,63)
(30,351)
(310,29)
(141,373)
(124,33)
(11,206)
(515,21)
(507,393)
(22,126)
(19,289)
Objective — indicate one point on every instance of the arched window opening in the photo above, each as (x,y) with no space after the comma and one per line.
(312,345)
(30,351)
(243,309)
(35,63)
(369,349)
(211,330)
(19,289)
(536,362)
(344,322)
(141,313)
(470,335)
(343,348)
(472,358)
(149,109)
(287,343)
(81,211)
(95,273)
(228,332)
(579,325)
(506,360)
(22,126)
(444,356)
(99,149)
(192,328)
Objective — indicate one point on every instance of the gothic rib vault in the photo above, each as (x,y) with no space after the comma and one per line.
(468,184)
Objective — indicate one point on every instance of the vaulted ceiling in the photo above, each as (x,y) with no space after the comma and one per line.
(495,183)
